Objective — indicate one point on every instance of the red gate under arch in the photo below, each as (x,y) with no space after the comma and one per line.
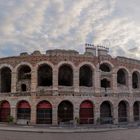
(44,113)
(86,112)
(4,111)
(23,110)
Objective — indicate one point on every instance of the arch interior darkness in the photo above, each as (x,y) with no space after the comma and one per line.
(105,113)
(45,75)
(65,76)
(5,75)
(85,76)
(65,112)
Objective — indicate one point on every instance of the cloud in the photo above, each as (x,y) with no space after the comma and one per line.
(30,25)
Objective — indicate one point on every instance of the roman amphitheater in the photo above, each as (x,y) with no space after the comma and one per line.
(63,85)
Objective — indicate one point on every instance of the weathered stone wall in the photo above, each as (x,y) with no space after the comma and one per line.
(74,94)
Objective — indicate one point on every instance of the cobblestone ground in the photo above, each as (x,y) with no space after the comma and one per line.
(130,134)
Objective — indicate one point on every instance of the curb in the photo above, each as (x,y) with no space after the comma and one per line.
(80,130)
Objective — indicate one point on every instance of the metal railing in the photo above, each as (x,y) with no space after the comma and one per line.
(106,120)
(86,120)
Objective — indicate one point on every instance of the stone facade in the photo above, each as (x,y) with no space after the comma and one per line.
(98,93)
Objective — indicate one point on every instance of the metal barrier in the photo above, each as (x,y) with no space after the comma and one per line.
(106,120)
(122,119)
(86,120)
(67,123)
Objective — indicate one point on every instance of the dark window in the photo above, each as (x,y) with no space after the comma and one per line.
(65,76)
(85,76)
(136,111)
(24,72)
(121,77)
(65,111)
(23,87)
(5,80)
(104,67)
(44,75)
(135,80)
(105,83)
(122,112)
(105,113)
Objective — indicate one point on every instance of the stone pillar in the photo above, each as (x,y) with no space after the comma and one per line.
(96,81)
(13,82)
(115,114)
(96,113)
(130,82)
(76,110)
(14,113)
(55,79)
(130,113)
(54,116)
(76,116)
(33,80)
(76,80)
(114,82)
(33,111)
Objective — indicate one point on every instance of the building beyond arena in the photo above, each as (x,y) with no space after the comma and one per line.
(63,85)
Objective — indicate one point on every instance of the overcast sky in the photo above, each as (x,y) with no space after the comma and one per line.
(28,25)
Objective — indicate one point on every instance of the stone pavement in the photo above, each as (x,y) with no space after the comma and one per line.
(58,129)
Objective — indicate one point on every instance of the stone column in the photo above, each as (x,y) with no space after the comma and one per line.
(13,81)
(96,113)
(55,80)
(115,114)
(14,113)
(96,81)
(76,80)
(76,117)
(130,82)
(76,112)
(130,113)
(54,116)
(33,111)
(33,80)
(114,82)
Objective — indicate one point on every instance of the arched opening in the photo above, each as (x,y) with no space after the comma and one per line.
(23,110)
(24,78)
(4,111)
(44,113)
(24,73)
(86,113)
(65,76)
(122,77)
(105,83)
(85,76)
(135,80)
(105,113)
(23,87)
(105,67)
(122,112)
(136,111)
(65,111)
(44,75)
(5,79)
